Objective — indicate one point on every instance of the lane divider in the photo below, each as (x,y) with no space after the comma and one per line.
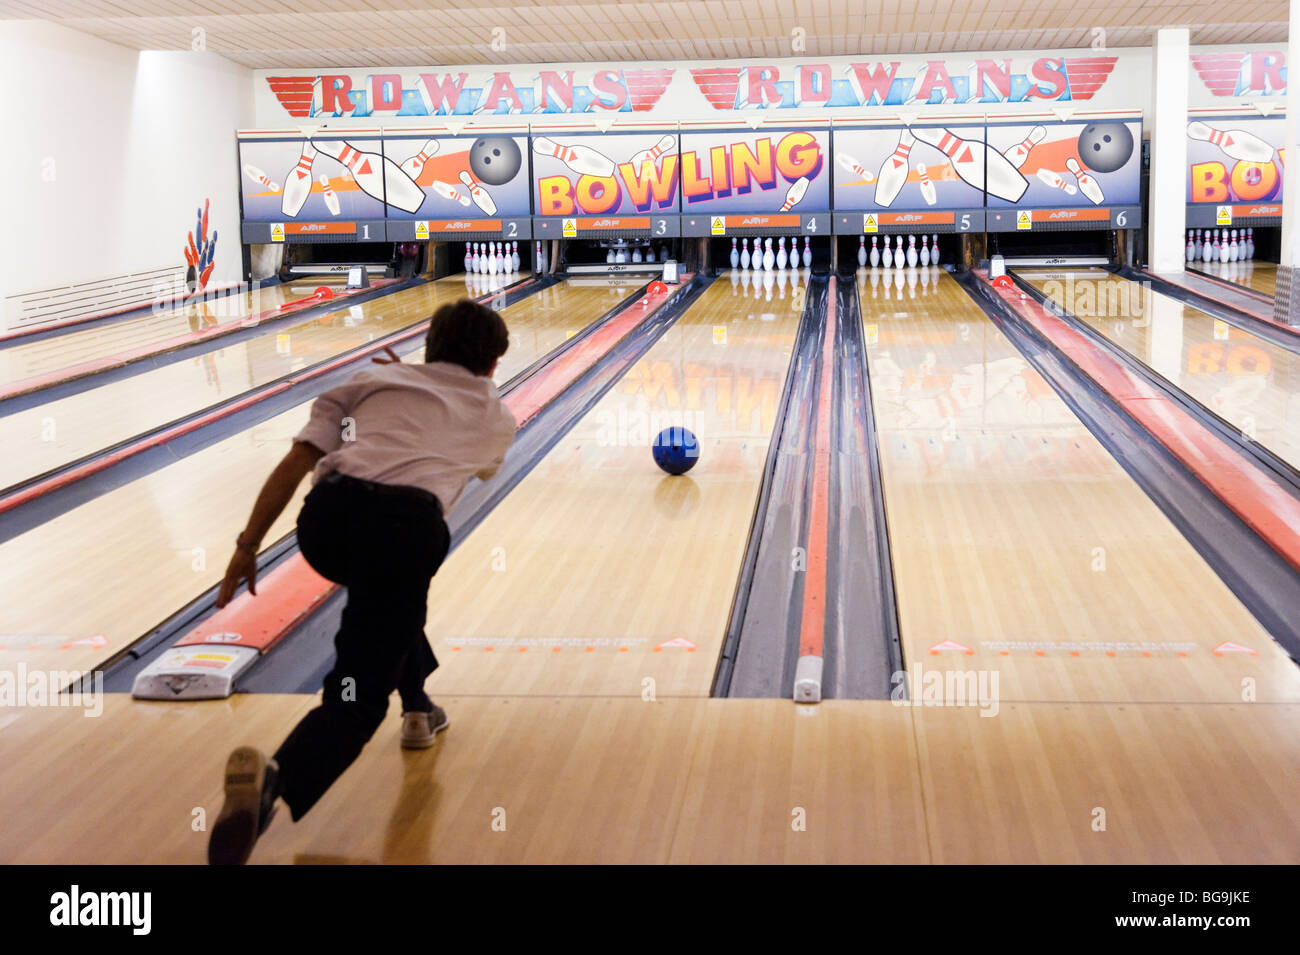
(1265,506)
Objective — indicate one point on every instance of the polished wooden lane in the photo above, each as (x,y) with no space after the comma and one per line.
(55,433)
(23,361)
(1248,381)
(1256,275)
(79,587)
(619,779)
(1022,551)
(599,574)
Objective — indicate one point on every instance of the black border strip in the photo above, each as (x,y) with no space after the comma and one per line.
(1260,577)
(297,663)
(1274,466)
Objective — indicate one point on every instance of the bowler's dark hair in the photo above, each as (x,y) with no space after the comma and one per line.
(468,334)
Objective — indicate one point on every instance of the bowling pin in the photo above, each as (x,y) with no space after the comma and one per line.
(493,259)
(925,251)
(478,193)
(735,254)
(855,167)
(1087,184)
(1018,153)
(928,192)
(1234,252)
(912,254)
(1250,243)
(769,257)
(1197,235)
(934,252)
(651,155)
(581,159)
(807,252)
(449,192)
(978,164)
(900,257)
(893,171)
(874,257)
(862,249)
(744,255)
(795,193)
(413,166)
(1209,251)
(469,258)
(1055,181)
(1216,253)
(1237,143)
(1191,248)
(610,256)
(331,200)
(514,256)
(473,258)
(377,175)
(636,253)
(886,257)
(255,174)
(781,258)
(649,253)
(297,185)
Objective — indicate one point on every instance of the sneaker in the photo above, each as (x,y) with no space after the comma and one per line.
(251,790)
(419,729)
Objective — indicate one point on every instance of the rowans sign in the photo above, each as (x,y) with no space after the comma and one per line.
(698,89)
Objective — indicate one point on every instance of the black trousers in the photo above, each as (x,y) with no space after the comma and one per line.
(384,544)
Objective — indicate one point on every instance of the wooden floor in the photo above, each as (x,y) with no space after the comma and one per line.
(1258,275)
(1017,536)
(575,582)
(78,588)
(599,779)
(1248,381)
(74,347)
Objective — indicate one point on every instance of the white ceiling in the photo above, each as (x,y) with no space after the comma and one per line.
(366,33)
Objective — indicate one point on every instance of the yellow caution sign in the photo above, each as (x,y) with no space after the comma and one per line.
(718,225)
(422,228)
(570,228)
(1220,330)
(872,332)
(277,232)
(282,344)
(719,334)
(870,223)
(569,334)
(1024,220)
(1223,215)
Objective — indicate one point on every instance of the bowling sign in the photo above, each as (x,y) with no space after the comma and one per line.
(458,177)
(887,166)
(1234,158)
(734,172)
(293,180)
(583,174)
(1086,164)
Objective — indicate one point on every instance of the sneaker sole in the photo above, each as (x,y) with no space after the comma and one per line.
(424,742)
(235,831)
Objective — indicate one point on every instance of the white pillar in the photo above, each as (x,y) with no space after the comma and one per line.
(1286,305)
(1167,186)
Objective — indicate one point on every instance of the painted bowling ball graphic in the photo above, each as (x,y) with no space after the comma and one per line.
(495,159)
(1105,147)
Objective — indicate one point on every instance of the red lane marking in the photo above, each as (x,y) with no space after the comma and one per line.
(813,623)
(1249,493)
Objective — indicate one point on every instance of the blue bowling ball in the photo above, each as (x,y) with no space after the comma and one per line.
(676,450)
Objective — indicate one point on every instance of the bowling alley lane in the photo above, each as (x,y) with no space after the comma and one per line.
(1257,276)
(601,575)
(1022,551)
(21,361)
(76,589)
(52,434)
(1250,382)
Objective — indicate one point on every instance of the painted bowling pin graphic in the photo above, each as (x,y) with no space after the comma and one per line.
(1237,143)
(928,192)
(855,167)
(874,257)
(331,200)
(255,174)
(413,166)
(1055,180)
(978,164)
(1018,153)
(449,192)
(795,193)
(581,159)
(297,185)
(651,155)
(894,170)
(478,193)
(1087,184)
(375,173)
(735,254)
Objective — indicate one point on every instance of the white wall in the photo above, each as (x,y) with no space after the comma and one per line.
(107,153)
